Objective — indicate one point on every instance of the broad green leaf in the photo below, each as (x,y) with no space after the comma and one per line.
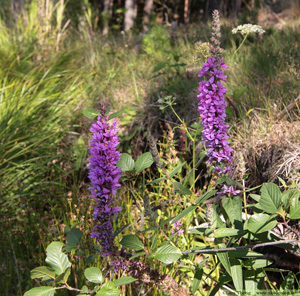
(69,247)
(168,254)
(84,288)
(91,113)
(197,280)
(41,291)
(176,170)
(130,241)
(257,263)
(287,197)
(56,258)
(224,259)
(143,162)
(259,223)
(126,163)
(184,213)
(270,198)
(94,275)
(244,253)
(223,232)
(108,289)
(125,280)
(74,236)
(63,278)
(233,209)
(254,280)
(182,190)
(43,272)
(237,274)
(295,209)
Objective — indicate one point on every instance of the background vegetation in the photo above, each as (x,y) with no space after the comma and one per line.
(56,60)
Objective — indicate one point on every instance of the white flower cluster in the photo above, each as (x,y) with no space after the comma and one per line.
(248,28)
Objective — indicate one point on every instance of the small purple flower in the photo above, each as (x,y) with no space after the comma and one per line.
(229,190)
(104,176)
(176,227)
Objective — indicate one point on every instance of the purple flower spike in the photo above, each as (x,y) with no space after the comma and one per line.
(212,112)
(104,176)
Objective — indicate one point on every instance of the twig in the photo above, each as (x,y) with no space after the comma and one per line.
(288,108)
(238,248)
(66,286)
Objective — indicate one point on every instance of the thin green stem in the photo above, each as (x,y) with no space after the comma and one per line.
(241,44)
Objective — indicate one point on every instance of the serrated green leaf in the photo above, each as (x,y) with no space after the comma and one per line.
(108,289)
(168,254)
(130,241)
(43,272)
(237,274)
(126,163)
(295,209)
(184,213)
(94,275)
(287,197)
(270,198)
(259,223)
(91,113)
(41,291)
(181,189)
(56,258)
(143,162)
(74,236)
(125,280)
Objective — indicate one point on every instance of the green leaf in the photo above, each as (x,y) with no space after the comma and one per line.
(56,258)
(159,66)
(236,274)
(287,197)
(43,272)
(108,289)
(197,280)
(182,190)
(224,232)
(224,259)
(90,259)
(168,254)
(115,114)
(91,113)
(69,247)
(184,213)
(205,196)
(41,291)
(125,280)
(138,254)
(84,288)
(244,253)
(143,162)
(63,278)
(254,280)
(257,263)
(157,180)
(176,170)
(94,275)
(130,241)
(295,209)
(74,236)
(126,163)
(233,209)
(270,198)
(259,223)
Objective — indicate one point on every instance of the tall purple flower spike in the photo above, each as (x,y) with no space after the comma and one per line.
(212,112)
(104,176)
